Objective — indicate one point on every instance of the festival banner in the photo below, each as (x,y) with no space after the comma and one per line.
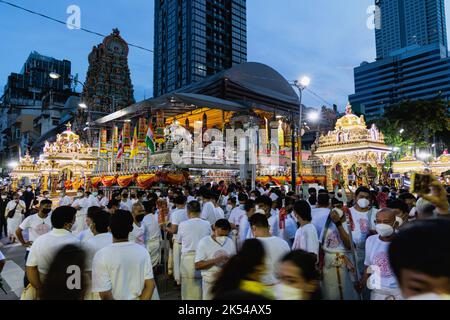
(124,181)
(103,141)
(127,136)
(159,130)
(115,138)
(142,131)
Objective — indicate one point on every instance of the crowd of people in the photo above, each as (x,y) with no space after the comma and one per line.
(227,241)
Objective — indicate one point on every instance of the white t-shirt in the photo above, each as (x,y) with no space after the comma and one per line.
(290,227)
(377,257)
(177,217)
(245,231)
(137,234)
(94,244)
(306,239)
(208,248)
(85,235)
(273,196)
(125,205)
(36,226)
(45,247)
(362,227)
(319,218)
(209,212)
(2,257)
(236,215)
(11,205)
(65,201)
(104,202)
(276,248)
(122,268)
(220,214)
(83,203)
(190,199)
(190,233)
(333,242)
(151,227)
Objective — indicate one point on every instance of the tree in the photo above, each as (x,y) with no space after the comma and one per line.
(418,120)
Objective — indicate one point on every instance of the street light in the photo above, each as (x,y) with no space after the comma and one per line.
(13,164)
(402,130)
(313,116)
(83,105)
(54,75)
(301,85)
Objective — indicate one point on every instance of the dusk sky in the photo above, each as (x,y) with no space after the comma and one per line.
(323,39)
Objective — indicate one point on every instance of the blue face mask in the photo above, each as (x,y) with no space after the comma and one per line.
(242,206)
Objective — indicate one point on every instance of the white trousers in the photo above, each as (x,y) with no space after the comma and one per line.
(191,280)
(176,261)
(386,295)
(206,289)
(154,249)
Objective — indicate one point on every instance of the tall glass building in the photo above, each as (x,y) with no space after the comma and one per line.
(195,39)
(403,23)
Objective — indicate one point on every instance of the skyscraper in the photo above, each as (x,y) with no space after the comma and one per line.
(404,23)
(195,39)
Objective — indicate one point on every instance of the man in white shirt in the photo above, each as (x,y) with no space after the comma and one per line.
(81,203)
(384,286)
(190,233)
(321,213)
(18,207)
(245,231)
(122,270)
(101,239)
(275,248)
(137,234)
(230,204)
(86,234)
(125,203)
(64,199)
(45,247)
(37,225)
(306,237)
(152,236)
(208,209)
(212,253)
(103,201)
(238,212)
(176,217)
(93,200)
(220,214)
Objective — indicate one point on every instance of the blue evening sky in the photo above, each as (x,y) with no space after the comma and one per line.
(324,39)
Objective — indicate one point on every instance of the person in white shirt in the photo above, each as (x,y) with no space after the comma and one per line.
(230,204)
(86,234)
(64,199)
(208,209)
(81,204)
(176,217)
(220,214)
(137,234)
(321,213)
(101,239)
(187,192)
(125,203)
(275,248)
(212,253)
(238,212)
(44,248)
(362,217)
(37,225)
(18,207)
(306,237)
(122,270)
(190,233)
(93,200)
(103,201)
(245,231)
(152,234)
(383,286)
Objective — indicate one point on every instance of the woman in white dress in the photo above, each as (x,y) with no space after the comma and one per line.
(13,222)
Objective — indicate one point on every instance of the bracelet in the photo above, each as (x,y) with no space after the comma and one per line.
(338,224)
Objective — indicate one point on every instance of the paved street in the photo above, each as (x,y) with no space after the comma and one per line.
(14,271)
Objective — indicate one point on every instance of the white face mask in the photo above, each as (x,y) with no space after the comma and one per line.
(79,194)
(95,194)
(253,198)
(4,197)
(399,221)
(384,230)
(229,207)
(285,292)
(28,189)
(363,203)
(221,240)
(20,193)
(158,194)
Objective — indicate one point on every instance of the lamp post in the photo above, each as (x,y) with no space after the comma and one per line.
(301,85)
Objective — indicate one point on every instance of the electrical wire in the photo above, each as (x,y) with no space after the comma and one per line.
(68,24)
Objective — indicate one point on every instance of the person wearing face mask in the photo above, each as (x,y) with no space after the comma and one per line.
(64,199)
(81,203)
(306,236)
(238,212)
(337,263)
(220,214)
(187,192)
(208,209)
(87,234)
(245,231)
(28,197)
(137,234)
(14,212)
(45,247)
(299,278)
(401,211)
(361,222)
(212,253)
(93,199)
(230,205)
(37,225)
(125,203)
(103,201)
(3,225)
(382,282)
(410,201)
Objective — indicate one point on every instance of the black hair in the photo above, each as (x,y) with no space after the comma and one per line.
(422,246)
(362,189)
(312,190)
(55,287)
(406,196)
(101,221)
(92,211)
(323,199)
(335,202)
(259,220)
(306,262)
(249,204)
(150,206)
(242,197)
(232,199)
(303,209)
(313,200)
(121,224)
(179,200)
(207,194)
(100,192)
(323,191)
(46,201)
(256,192)
(266,200)
(193,206)
(223,224)
(63,215)
(239,267)
(398,204)
(385,190)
